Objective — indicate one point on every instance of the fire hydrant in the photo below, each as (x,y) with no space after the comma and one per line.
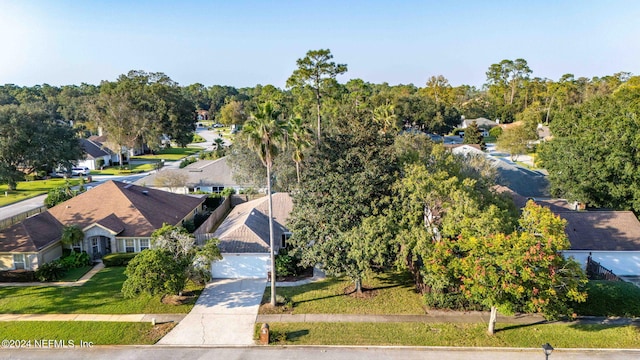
(264,334)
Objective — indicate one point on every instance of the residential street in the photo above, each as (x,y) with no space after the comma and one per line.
(312,353)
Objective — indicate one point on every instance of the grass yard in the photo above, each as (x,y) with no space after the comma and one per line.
(392,293)
(99,333)
(171,154)
(75,274)
(610,298)
(129,169)
(28,189)
(440,334)
(100,295)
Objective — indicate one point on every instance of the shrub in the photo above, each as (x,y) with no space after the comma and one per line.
(17,276)
(50,271)
(99,163)
(154,271)
(226,192)
(76,260)
(187,161)
(287,265)
(118,259)
(496,131)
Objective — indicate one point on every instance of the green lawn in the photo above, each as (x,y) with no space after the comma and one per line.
(610,298)
(440,334)
(171,154)
(28,189)
(100,295)
(393,293)
(99,333)
(75,274)
(129,169)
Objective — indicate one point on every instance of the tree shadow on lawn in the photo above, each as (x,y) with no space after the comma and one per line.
(520,326)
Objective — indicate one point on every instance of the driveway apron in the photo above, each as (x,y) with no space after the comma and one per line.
(225,314)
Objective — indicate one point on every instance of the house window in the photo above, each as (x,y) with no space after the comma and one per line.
(129,245)
(283,241)
(18,261)
(77,247)
(144,244)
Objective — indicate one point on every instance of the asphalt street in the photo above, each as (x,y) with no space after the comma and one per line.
(310,353)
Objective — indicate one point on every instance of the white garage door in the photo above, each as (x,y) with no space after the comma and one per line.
(241,266)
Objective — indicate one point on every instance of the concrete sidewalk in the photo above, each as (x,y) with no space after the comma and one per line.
(432,317)
(439,316)
(159,318)
(99,266)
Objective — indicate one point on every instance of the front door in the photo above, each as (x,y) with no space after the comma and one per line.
(105,244)
(95,248)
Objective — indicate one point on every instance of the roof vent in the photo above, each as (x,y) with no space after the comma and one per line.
(145,192)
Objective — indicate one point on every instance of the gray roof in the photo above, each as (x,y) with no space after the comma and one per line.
(481,122)
(246,228)
(93,149)
(202,173)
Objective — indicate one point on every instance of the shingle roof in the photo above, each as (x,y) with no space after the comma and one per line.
(602,230)
(31,235)
(93,149)
(201,173)
(140,210)
(246,228)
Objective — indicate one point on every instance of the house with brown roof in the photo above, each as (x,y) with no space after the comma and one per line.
(244,237)
(611,238)
(114,217)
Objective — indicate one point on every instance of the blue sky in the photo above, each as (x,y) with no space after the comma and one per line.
(244,43)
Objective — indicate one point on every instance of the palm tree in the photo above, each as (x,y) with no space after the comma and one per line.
(385,117)
(299,136)
(265,135)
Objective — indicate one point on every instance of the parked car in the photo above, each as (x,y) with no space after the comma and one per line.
(217,125)
(80,171)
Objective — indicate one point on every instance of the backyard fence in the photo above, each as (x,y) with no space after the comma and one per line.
(5,223)
(595,271)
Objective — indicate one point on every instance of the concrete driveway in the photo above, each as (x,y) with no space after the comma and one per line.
(225,314)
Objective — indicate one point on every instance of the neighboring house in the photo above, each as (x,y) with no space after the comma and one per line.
(114,216)
(481,122)
(244,237)
(34,241)
(104,142)
(202,114)
(95,155)
(612,238)
(210,176)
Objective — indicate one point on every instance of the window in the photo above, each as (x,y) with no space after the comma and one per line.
(77,247)
(283,241)
(144,244)
(18,261)
(129,245)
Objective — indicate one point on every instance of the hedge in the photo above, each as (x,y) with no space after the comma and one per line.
(118,259)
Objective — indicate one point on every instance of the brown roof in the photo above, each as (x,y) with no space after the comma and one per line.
(140,210)
(602,230)
(31,235)
(246,228)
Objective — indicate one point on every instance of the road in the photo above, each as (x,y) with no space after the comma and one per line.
(311,353)
(38,201)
